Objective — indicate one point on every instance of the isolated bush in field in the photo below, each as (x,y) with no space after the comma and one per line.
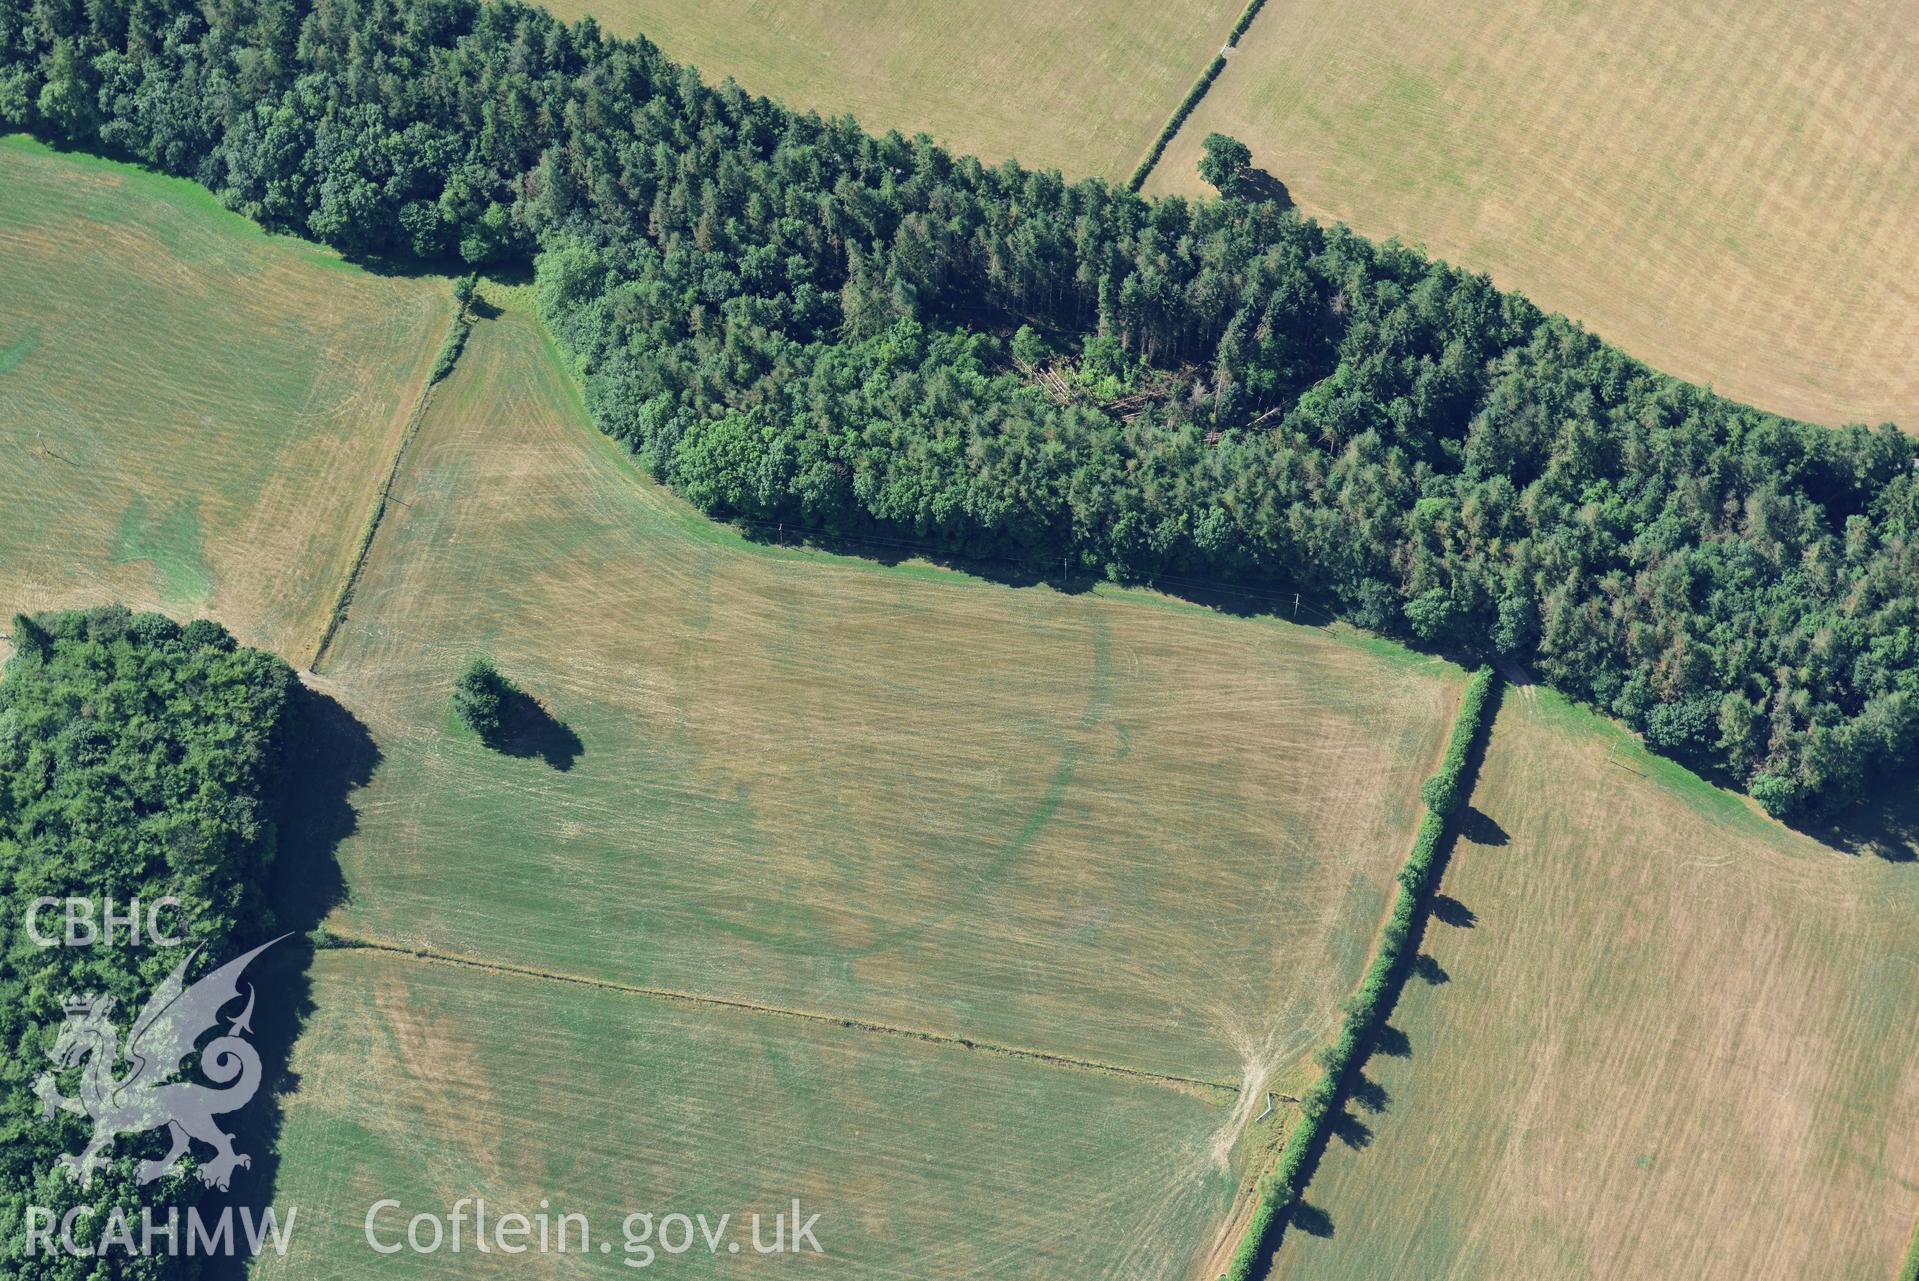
(1225,162)
(479,696)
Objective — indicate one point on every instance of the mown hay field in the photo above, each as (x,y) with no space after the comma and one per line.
(1668,1039)
(425,1083)
(195,415)
(1109,826)
(1102,825)
(1077,85)
(1729,192)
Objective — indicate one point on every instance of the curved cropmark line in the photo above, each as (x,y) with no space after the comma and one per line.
(1002,860)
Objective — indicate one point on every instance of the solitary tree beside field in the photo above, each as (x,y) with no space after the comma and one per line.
(1225,163)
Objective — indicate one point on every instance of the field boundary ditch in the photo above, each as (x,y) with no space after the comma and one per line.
(448,356)
(333,940)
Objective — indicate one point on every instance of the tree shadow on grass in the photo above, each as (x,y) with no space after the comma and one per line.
(1430,971)
(1312,1220)
(1393,1043)
(527,729)
(331,755)
(1352,1131)
(1450,911)
(1885,824)
(1479,827)
(1370,1095)
(1257,186)
(1275,599)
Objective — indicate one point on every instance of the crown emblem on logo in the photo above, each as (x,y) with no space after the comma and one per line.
(165,1035)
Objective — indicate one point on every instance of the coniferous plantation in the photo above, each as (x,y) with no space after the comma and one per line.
(138,760)
(790,320)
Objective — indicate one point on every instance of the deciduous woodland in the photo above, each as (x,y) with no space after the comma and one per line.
(138,760)
(790,319)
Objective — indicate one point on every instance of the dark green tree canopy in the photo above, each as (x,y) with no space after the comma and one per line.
(791,320)
(479,698)
(1223,162)
(138,759)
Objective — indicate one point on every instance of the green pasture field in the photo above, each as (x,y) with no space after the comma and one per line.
(195,415)
(1668,1038)
(1076,85)
(1102,825)
(1730,193)
(425,1083)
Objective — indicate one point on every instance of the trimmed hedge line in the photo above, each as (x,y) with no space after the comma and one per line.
(1442,793)
(1366,1009)
(1246,17)
(1193,95)
(1178,118)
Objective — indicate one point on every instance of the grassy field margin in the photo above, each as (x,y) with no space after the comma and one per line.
(1185,108)
(1366,1010)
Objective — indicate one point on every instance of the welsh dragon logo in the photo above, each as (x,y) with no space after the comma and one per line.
(157,1045)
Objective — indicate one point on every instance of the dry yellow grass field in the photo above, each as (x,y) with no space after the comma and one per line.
(897,811)
(1076,85)
(1674,1040)
(914,818)
(1106,825)
(1729,192)
(195,416)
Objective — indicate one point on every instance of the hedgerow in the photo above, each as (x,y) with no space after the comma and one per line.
(1173,122)
(1441,792)
(1192,99)
(1367,1009)
(455,341)
(1244,21)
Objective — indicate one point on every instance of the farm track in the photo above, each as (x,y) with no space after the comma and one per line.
(353,943)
